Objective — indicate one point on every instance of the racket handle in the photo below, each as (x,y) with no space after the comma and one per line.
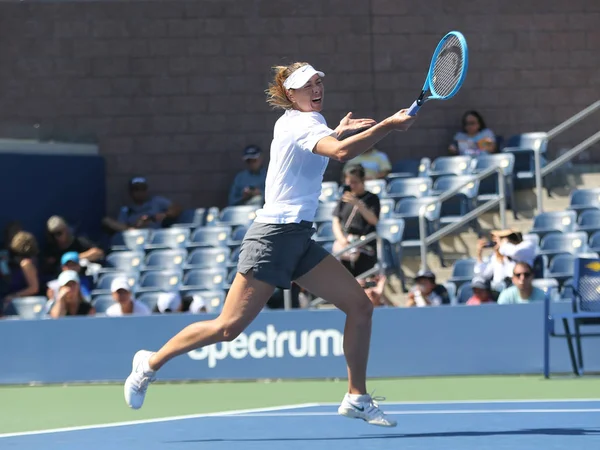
(413,109)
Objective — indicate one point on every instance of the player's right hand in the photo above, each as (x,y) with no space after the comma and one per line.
(401,121)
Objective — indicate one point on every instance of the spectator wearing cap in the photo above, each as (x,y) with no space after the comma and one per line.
(248,186)
(70,300)
(146,211)
(169,302)
(426,292)
(522,290)
(24,277)
(70,261)
(61,240)
(482,292)
(125,303)
(508,246)
(376,164)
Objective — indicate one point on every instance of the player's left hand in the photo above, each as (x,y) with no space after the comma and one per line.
(350,125)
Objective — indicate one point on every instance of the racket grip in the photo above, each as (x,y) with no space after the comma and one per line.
(413,109)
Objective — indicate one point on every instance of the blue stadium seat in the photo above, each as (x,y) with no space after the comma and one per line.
(238,215)
(568,290)
(555,243)
(212,217)
(452,291)
(191,218)
(102,302)
(237,235)
(589,221)
(324,233)
(540,265)
(126,261)
(230,277)
(464,293)
(594,242)
(165,259)
(32,307)
(405,168)
(391,232)
(460,204)
(131,240)
(168,238)
(585,312)
(424,167)
(408,209)
(150,299)
(214,299)
(488,187)
(386,209)
(210,236)
(325,212)
(584,199)
(207,258)
(102,286)
(450,165)
(377,187)
(522,146)
(234,256)
(554,221)
(160,280)
(399,188)
(329,192)
(204,279)
(463,271)
(550,286)
(561,267)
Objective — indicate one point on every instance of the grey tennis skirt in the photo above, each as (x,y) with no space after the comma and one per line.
(279,253)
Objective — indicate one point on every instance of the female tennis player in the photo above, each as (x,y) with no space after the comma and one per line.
(278,248)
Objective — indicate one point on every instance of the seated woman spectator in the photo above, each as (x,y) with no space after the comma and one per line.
(376,164)
(23,266)
(6,256)
(475,137)
(482,292)
(426,291)
(70,300)
(70,261)
(125,303)
(356,215)
(522,290)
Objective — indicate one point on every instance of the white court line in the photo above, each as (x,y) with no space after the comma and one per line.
(476,402)
(161,419)
(427,412)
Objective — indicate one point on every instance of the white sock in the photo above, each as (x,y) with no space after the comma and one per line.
(358,397)
(146,365)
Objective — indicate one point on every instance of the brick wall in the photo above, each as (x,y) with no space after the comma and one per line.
(174,89)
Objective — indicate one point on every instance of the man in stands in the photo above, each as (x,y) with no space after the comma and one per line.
(61,240)
(146,211)
(248,187)
(522,290)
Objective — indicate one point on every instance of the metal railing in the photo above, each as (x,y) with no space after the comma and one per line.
(499,200)
(539,172)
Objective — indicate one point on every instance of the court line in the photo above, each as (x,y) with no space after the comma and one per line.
(158,420)
(424,412)
(476,402)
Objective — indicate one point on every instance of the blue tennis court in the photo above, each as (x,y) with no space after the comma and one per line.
(522,425)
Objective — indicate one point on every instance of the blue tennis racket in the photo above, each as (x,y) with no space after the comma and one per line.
(447,70)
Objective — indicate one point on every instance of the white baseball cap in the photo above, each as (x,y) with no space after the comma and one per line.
(66,276)
(120,283)
(168,300)
(197,305)
(300,76)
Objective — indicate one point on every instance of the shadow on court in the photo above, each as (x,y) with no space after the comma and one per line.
(530,432)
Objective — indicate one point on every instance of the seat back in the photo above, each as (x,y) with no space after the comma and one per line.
(211,236)
(161,280)
(205,279)
(573,243)
(391,230)
(586,280)
(386,208)
(125,261)
(102,302)
(329,192)
(465,292)
(33,307)
(207,258)
(562,221)
(377,187)
(451,165)
(238,215)
(585,199)
(409,187)
(136,239)
(165,259)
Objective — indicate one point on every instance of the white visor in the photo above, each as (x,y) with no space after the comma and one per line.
(300,76)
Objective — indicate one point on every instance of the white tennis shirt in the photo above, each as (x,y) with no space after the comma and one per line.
(295,173)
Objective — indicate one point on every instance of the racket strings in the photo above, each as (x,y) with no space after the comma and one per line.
(448,67)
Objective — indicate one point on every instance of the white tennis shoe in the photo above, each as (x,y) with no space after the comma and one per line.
(138,380)
(366,408)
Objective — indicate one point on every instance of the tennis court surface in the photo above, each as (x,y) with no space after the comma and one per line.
(465,425)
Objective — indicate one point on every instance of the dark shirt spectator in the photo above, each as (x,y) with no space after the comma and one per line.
(70,300)
(426,292)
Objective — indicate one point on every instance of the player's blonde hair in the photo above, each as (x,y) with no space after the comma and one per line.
(276,93)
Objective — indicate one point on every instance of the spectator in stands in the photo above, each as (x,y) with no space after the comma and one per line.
(475,137)
(356,215)
(70,261)
(147,211)
(173,302)
(24,275)
(374,286)
(426,292)
(482,292)
(70,300)
(375,163)
(522,290)
(7,257)
(508,246)
(125,303)
(61,240)
(248,186)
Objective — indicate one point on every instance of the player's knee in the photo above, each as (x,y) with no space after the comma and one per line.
(364,308)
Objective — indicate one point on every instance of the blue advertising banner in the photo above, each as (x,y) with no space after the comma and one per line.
(461,340)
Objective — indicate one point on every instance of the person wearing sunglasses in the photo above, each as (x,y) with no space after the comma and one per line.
(522,290)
